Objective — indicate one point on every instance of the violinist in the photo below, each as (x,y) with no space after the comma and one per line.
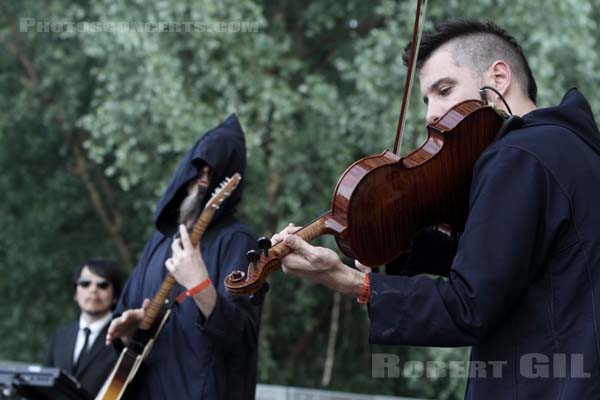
(524,282)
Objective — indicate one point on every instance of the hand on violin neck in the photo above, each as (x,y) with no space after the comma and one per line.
(320,265)
(288,230)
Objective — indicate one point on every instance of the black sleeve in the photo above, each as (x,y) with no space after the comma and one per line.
(432,252)
(234,321)
(504,242)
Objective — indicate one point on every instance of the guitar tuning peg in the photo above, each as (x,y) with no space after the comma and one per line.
(264,244)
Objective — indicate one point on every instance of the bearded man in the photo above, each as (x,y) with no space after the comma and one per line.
(207,349)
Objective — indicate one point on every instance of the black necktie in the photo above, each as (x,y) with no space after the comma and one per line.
(84,349)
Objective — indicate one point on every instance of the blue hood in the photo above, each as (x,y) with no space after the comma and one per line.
(223,148)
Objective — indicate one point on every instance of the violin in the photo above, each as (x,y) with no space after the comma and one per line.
(381,201)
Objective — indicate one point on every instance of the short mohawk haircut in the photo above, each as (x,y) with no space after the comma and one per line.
(486,43)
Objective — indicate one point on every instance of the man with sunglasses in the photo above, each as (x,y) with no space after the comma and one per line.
(79,348)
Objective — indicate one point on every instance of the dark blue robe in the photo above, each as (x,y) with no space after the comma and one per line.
(524,286)
(197,358)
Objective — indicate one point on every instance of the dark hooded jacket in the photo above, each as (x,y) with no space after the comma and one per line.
(524,286)
(193,357)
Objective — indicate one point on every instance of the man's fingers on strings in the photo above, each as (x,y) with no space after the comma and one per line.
(292,229)
(300,247)
(288,230)
(278,237)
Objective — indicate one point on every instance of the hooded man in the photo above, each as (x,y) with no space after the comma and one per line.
(207,349)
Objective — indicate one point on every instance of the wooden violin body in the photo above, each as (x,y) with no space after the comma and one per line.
(381,201)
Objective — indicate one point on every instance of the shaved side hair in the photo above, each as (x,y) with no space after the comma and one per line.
(476,45)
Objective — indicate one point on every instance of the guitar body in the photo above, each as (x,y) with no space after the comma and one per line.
(129,362)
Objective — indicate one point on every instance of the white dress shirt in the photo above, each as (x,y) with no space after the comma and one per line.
(95,329)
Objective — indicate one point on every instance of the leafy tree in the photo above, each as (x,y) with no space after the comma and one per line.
(92,125)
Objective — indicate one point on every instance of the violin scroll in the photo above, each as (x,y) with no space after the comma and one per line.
(268,260)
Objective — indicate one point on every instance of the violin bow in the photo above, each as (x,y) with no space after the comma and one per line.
(410,74)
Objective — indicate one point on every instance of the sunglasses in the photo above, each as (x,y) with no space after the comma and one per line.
(100,285)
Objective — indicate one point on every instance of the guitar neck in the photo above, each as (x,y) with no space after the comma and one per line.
(167,285)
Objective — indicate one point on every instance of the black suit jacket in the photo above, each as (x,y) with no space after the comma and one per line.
(93,369)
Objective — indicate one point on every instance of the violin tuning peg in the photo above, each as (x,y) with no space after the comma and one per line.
(264,244)
(259,297)
(253,256)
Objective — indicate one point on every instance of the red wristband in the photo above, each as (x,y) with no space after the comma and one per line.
(196,289)
(365,291)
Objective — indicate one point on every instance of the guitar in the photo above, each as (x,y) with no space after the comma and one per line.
(132,356)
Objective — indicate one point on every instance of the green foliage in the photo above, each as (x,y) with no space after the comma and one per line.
(316,86)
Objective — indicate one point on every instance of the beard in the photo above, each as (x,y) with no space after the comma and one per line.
(191,207)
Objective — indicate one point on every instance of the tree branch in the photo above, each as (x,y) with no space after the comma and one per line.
(274,185)
(113,222)
(307,338)
(333,330)
(111,227)
(16,48)
(116,218)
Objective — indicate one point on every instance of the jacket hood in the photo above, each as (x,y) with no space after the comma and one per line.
(223,148)
(573,113)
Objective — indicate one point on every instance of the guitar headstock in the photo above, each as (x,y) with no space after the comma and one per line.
(223,191)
